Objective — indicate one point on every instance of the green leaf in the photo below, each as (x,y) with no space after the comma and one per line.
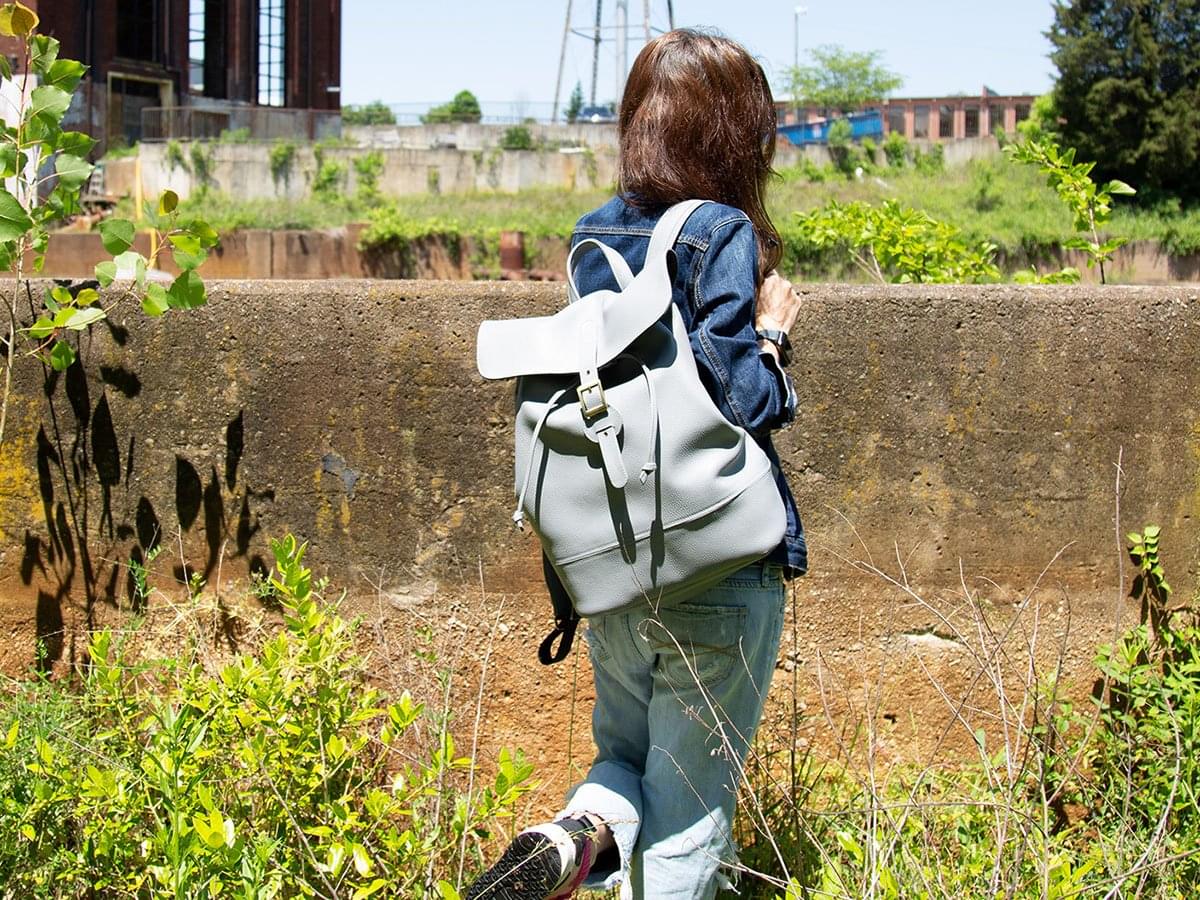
(187,291)
(1133,537)
(61,356)
(43,51)
(65,74)
(106,273)
(205,233)
(14,221)
(188,261)
(17,20)
(8,157)
(10,739)
(42,328)
(5,68)
(61,296)
(446,891)
(155,303)
(72,171)
(1119,188)
(82,318)
(188,243)
(167,203)
(379,884)
(48,103)
(117,235)
(1151,531)
(86,297)
(76,143)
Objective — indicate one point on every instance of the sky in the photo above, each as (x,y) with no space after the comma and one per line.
(413,53)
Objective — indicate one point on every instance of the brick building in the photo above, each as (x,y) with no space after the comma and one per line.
(203,54)
(937,118)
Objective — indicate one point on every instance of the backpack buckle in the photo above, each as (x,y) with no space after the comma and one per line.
(590,409)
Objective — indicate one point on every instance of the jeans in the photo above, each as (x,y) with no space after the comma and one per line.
(678,697)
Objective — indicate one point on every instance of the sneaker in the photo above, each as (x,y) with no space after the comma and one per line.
(546,862)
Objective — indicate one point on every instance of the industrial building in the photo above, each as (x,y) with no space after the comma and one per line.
(192,68)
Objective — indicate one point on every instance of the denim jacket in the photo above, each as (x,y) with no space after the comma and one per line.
(715,288)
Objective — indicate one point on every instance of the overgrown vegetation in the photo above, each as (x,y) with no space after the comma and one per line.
(463,108)
(280,771)
(1061,801)
(374,113)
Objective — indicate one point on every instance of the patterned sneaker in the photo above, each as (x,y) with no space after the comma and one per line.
(546,862)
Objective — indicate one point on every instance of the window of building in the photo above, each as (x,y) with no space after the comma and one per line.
(946,121)
(196,43)
(971,121)
(270,53)
(895,120)
(996,118)
(138,29)
(1022,112)
(921,120)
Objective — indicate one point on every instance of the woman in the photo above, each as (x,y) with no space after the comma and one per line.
(672,726)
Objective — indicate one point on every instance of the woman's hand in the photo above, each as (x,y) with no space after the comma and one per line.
(778,303)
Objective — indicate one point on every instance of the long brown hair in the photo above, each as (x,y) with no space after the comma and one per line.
(697,120)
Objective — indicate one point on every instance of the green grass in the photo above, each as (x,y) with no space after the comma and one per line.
(993,200)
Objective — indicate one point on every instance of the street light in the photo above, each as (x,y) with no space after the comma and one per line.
(800,10)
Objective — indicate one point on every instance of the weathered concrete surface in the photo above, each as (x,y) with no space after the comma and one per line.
(244,170)
(956,438)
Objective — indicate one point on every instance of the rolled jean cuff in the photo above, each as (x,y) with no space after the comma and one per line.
(612,793)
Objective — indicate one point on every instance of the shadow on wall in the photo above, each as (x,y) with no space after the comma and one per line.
(96,533)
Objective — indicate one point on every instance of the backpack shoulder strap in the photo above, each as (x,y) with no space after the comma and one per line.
(666,232)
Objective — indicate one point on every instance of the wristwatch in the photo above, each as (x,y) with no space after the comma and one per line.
(780,340)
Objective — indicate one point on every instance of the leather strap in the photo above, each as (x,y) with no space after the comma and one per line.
(616,262)
(564,629)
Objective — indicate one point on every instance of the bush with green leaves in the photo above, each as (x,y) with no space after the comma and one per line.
(893,243)
(367,169)
(44,168)
(463,108)
(281,158)
(895,149)
(518,137)
(281,773)
(374,113)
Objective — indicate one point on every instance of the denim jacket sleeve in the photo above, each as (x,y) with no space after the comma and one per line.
(749,386)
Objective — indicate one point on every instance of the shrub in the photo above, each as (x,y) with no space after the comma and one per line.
(281,157)
(463,108)
(891,243)
(519,137)
(282,773)
(374,113)
(367,169)
(895,149)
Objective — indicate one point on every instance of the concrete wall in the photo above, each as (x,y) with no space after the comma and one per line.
(477,136)
(955,438)
(244,170)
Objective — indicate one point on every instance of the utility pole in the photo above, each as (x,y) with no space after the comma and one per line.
(646,18)
(671,14)
(622,45)
(596,53)
(562,59)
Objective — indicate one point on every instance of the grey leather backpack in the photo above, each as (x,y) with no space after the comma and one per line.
(639,489)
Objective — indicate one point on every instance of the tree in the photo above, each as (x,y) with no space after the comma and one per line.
(463,108)
(374,113)
(842,80)
(1128,89)
(575,104)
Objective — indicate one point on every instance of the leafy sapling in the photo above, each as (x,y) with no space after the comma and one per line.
(35,196)
(1091,204)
